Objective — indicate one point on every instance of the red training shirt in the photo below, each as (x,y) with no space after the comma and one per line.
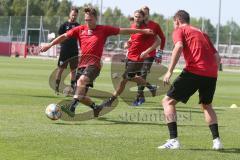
(92,42)
(198,51)
(139,43)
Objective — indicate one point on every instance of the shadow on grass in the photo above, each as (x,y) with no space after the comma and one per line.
(179,109)
(230,150)
(186,110)
(226,150)
(112,122)
(125,122)
(129,122)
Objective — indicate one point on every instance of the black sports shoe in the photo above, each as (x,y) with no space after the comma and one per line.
(97,110)
(70,108)
(67,110)
(135,103)
(108,103)
(153,90)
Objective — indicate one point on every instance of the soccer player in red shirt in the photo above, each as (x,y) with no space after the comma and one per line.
(91,38)
(199,74)
(151,56)
(137,52)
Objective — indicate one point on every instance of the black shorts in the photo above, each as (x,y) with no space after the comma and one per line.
(147,64)
(132,69)
(92,72)
(71,59)
(186,84)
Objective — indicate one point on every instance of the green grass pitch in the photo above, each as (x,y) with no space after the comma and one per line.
(26,133)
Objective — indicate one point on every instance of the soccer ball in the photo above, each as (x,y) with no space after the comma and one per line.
(53,112)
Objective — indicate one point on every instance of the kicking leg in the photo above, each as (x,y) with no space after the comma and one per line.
(119,90)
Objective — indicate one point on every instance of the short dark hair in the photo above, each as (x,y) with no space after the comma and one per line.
(75,9)
(140,12)
(91,11)
(183,16)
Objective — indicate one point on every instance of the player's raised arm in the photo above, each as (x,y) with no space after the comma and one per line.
(57,40)
(133,31)
(150,49)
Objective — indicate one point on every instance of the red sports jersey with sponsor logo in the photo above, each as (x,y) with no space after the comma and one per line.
(92,42)
(139,43)
(198,51)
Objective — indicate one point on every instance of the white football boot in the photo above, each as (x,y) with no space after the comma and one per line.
(171,144)
(217,145)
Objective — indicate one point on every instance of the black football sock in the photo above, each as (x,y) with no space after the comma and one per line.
(73,104)
(172,127)
(57,83)
(93,106)
(214,130)
(140,91)
(73,82)
(149,86)
(112,98)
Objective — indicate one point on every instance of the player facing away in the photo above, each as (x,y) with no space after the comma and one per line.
(68,50)
(91,38)
(148,61)
(137,52)
(200,74)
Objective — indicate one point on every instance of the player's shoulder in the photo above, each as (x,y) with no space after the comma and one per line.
(64,23)
(188,27)
(77,24)
(151,22)
(74,24)
(191,29)
(178,30)
(186,30)
(81,27)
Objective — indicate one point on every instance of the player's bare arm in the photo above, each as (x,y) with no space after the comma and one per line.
(133,31)
(150,49)
(127,43)
(58,40)
(176,53)
(162,37)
